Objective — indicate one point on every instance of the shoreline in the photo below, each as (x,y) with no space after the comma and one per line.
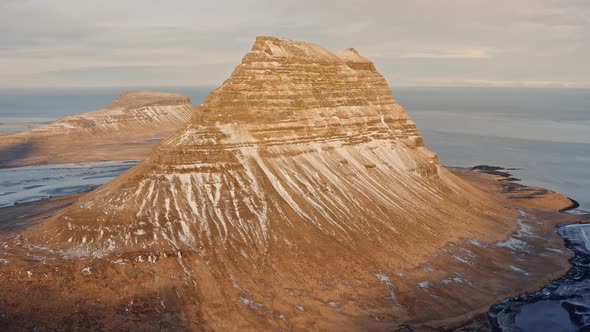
(574,205)
(479,319)
(550,292)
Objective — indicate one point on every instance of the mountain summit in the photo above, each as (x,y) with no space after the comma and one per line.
(300,143)
(299,195)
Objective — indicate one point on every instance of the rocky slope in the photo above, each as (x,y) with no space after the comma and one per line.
(299,196)
(297,137)
(126,129)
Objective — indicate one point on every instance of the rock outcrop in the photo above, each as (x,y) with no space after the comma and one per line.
(125,130)
(299,196)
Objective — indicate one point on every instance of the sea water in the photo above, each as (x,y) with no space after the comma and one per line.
(543,133)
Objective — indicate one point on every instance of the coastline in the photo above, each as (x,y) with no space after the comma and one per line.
(483,321)
(479,320)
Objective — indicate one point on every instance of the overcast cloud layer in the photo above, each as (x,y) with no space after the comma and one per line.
(62,43)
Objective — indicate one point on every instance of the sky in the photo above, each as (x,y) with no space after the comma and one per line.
(125,43)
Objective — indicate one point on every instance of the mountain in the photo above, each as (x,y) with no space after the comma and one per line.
(299,196)
(126,129)
(298,140)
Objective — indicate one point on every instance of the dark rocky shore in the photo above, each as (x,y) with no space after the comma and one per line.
(562,304)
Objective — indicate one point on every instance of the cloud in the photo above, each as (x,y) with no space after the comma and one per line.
(561,16)
(463,53)
(528,84)
(462,82)
(200,41)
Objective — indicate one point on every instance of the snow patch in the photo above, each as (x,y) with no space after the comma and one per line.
(385,280)
(250,303)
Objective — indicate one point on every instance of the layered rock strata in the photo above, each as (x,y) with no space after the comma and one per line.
(299,196)
(125,130)
(300,139)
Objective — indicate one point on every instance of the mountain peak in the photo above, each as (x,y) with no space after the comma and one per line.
(295,136)
(299,183)
(282,48)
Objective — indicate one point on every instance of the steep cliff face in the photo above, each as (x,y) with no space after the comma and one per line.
(133,122)
(297,140)
(300,195)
